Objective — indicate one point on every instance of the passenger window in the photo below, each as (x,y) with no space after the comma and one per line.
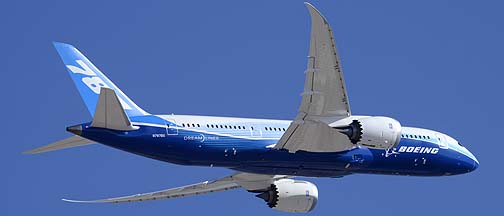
(234,127)
(183,125)
(265,128)
(198,125)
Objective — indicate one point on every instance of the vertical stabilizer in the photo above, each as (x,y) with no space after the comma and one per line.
(89,80)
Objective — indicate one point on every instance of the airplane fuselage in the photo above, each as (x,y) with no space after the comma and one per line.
(246,145)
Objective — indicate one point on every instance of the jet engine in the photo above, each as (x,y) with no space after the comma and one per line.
(291,195)
(374,132)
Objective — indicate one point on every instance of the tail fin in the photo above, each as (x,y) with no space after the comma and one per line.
(89,80)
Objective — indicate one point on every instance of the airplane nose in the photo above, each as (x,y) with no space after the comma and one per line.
(469,163)
(464,162)
(476,165)
(475,162)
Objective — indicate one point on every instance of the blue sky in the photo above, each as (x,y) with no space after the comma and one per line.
(432,64)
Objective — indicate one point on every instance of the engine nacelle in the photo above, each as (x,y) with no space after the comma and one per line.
(374,132)
(291,195)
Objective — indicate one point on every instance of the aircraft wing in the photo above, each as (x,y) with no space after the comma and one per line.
(246,180)
(324,99)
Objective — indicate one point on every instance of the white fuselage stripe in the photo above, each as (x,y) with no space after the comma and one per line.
(203,131)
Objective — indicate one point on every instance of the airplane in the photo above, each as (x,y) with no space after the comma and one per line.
(324,139)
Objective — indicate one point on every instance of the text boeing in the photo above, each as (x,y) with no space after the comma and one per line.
(418,150)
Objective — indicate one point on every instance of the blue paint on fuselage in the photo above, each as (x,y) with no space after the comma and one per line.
(251,154)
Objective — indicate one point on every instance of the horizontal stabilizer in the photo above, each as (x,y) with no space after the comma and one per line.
(70,142)
(109,112)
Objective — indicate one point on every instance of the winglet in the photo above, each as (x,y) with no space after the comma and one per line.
(314,11)
(109,112)
(77,201)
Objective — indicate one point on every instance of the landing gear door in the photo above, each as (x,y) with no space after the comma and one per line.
(171,127)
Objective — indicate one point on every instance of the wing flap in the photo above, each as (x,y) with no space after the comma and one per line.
(313,136)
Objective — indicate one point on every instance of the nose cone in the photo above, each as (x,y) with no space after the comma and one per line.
(476,165)
(467,162)
(473,162)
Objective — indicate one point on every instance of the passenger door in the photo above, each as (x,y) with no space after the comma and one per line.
(441,141)
(255,131)
(171,127)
